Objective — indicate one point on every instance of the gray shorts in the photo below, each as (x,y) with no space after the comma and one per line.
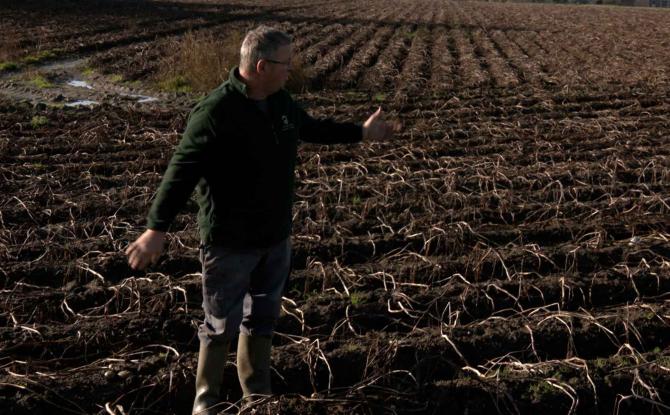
(242,289)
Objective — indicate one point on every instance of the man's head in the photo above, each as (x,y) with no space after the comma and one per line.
(265,56)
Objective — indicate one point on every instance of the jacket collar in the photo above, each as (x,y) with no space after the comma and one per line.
(241,87)
(234,79)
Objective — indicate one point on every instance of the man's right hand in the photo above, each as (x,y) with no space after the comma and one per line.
(375,128)
(146,249)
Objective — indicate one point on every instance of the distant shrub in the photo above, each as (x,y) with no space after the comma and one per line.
(199,61)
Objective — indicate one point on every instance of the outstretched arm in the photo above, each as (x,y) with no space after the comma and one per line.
(326,131)
(179,180)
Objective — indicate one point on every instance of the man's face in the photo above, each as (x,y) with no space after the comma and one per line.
(277,69)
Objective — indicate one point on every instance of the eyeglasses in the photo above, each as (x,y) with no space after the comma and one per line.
(287,63)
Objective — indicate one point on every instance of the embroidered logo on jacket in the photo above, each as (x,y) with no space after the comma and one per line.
(286,125)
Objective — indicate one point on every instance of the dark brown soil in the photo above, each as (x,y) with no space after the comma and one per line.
(507,252)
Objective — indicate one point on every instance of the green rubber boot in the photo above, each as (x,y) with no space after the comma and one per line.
(253,366)
(209,377)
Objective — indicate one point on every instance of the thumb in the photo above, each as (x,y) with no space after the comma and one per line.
(376,114)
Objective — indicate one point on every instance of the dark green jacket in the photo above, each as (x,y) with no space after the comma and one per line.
(241,162)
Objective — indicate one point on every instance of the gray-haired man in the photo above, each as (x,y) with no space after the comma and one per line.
(239,152)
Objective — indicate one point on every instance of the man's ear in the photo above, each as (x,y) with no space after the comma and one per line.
(260,66)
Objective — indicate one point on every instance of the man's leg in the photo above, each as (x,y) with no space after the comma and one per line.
(226,277)
(260,313)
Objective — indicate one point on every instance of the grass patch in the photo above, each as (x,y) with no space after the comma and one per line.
(116,78)
(38,121)
(356,95)
(41,82)
(357,298)
(88,71)
(176,84)
(379,97)
(39,57)
(8,66)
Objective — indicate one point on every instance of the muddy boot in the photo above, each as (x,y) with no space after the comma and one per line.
(253,366)
(209,376)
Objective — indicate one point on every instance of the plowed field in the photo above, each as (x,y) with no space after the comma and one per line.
(507,252)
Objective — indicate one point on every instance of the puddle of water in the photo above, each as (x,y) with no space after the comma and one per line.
(141,99)
(144,99)
(82,103)
(79,84)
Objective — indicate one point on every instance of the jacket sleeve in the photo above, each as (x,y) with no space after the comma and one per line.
(184,170)
(326,131)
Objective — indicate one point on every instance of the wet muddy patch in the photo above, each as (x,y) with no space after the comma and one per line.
(71,83)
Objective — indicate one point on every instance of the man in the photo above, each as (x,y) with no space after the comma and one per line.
(239,152)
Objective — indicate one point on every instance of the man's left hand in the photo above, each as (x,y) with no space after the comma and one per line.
(376,128)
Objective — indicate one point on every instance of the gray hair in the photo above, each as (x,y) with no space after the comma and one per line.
(261,43)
